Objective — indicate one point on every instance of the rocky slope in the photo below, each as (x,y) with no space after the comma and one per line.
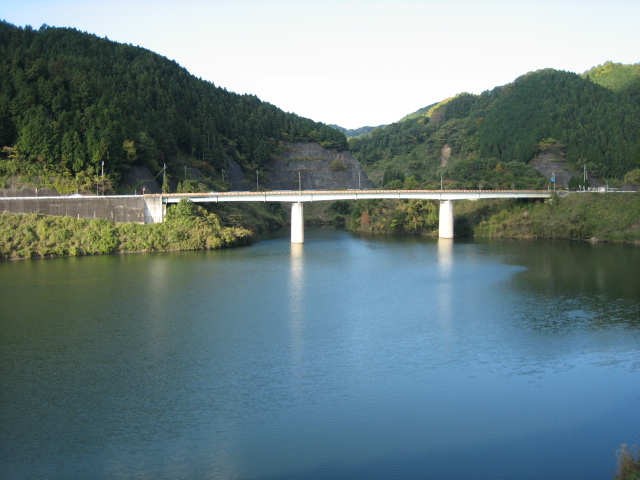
(305,165)
(302,165)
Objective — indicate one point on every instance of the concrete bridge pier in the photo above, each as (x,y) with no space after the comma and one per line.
(445,227)
(297,223)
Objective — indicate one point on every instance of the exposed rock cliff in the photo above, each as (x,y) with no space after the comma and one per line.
(549,165)
(301,165)
(307,166)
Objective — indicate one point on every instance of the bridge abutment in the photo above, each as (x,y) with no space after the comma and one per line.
(445,227)
(154,209)
(297,223)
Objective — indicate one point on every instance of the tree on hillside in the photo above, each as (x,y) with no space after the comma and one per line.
(70,100)
(591,123)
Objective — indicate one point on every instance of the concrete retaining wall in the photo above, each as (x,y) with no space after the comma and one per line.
(118,209)
(28,192)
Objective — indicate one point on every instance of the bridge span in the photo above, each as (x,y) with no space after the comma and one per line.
(298,198)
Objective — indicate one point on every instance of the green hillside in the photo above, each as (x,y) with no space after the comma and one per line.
(356,131)
(70,101)
(615,76)
(488,140)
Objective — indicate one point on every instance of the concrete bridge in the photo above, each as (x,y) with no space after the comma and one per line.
(298,198)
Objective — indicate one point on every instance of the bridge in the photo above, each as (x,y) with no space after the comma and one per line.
(298,198)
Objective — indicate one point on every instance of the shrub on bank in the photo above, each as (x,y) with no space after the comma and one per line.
(612,217)
(187,227)
(407,217)
(628,464)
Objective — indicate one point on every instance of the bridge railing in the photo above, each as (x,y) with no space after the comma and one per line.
(331,195)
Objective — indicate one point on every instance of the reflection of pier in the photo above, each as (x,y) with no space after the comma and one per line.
(296,301)
(444,290)
(446,198)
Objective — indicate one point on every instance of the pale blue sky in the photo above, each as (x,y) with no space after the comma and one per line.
(356,62)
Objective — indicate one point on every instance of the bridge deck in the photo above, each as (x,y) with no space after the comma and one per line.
(330,195)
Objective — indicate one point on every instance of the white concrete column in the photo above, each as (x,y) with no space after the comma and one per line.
(297,223)
(154,209)
(445,228)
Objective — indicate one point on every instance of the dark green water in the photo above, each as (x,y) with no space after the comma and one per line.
(348,357)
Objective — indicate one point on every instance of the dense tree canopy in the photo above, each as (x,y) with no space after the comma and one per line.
(594,123)
(70,101)
(592,119)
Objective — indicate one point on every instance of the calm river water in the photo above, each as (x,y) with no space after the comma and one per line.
(348,357)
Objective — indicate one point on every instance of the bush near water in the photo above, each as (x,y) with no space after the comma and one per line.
(611,217)
(187,227)
(628,464)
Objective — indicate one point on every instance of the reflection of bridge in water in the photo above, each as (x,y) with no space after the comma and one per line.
(298,198)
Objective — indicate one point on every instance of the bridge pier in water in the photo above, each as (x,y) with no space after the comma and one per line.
(445,227)
(297,222)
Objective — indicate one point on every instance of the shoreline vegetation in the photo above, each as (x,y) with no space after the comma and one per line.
(592,217)
(187,227)
(598,217)
(628,464)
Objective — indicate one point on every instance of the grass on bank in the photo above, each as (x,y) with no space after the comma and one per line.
(628,464)
(611,217)
(187,227)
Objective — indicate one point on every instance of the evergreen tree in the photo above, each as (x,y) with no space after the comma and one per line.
(70,100)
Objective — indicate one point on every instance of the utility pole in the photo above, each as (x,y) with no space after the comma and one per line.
(441,173)
(585,173)
(103,178)
(299,183)
(257,187)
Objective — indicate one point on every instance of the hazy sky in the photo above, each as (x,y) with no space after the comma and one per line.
(356,62)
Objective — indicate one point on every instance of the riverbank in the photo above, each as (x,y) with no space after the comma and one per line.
(628,464)
(611,217)
(187,227)
(582,216)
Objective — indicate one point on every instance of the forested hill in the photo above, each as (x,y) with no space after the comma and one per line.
(70,101)
(591,119)
(356,131)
